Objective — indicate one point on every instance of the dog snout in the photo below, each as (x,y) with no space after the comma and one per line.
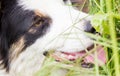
(89,28)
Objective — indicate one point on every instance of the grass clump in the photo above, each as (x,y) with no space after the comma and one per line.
(109,14)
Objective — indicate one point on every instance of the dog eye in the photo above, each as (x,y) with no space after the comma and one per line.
(37,21)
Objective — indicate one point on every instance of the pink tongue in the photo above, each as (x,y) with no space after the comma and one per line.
(101,56)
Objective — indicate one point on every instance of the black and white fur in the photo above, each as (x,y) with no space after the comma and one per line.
(31,27)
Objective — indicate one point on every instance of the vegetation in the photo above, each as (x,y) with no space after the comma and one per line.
(107,22)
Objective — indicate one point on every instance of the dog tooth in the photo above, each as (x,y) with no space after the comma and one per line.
(71,57)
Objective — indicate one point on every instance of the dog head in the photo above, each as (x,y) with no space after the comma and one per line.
(66,24)
(42,25)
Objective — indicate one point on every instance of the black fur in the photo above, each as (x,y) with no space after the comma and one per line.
(15,23)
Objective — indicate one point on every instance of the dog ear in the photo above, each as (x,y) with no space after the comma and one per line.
(4,45)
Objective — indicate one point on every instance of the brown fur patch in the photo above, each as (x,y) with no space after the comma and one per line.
(37,12)
(17,48)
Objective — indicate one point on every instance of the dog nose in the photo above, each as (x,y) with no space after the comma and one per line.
(88,27)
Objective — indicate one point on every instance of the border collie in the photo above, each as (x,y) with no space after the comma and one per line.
(31,27)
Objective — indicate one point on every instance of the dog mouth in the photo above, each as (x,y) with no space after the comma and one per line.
(88,56)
